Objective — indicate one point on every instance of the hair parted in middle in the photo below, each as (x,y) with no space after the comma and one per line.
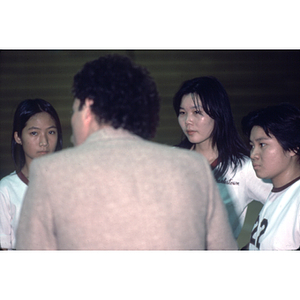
(215,103)
(25,110)
(124,94)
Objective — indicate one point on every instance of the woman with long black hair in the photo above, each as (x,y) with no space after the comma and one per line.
(36,132)
(205,117)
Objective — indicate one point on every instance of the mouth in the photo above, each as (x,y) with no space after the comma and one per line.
(190,132)
(255,167)
(43,152)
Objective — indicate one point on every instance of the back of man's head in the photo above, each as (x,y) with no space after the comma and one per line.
(124,94)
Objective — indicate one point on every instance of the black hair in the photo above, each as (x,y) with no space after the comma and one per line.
(216,104)
(25,110)
(282,121)
(124,94)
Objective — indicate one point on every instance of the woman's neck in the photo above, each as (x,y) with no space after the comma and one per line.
(25,170)
(210,153)
(287,177)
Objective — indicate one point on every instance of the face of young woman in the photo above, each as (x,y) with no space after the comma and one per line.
(39,136)
(269,160)
(196,124)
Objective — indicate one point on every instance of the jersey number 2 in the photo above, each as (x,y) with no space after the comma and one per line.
(264,225)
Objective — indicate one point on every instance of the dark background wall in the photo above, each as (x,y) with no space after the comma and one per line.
(252,79)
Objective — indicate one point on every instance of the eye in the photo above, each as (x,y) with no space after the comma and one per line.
(52,132)
(33,133)
(262,145)
(181,112)
(198,112)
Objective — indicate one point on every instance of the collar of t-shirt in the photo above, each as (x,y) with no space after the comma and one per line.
(280,189)
(213,164)
(23,177)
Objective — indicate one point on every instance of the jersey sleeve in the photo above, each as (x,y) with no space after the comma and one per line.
(5,220)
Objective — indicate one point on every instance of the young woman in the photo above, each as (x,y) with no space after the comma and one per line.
(36,132)
(204,115)
(275,140)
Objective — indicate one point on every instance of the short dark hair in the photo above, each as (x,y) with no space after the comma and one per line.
(25,110)
(282,121)
(124,94)
(215,102)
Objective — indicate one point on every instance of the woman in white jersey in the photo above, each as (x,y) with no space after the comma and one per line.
(36,132)
(205,117)
(274,134)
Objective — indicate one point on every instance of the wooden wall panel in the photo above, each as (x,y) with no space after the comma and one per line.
(251,78)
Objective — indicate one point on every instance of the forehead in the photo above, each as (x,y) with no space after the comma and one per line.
(191,100)
(258,133)
(40,119)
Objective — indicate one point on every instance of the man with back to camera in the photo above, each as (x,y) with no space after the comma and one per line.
(116,190)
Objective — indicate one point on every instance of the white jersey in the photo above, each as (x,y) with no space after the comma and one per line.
(12,191)
(278,224)
(240,188)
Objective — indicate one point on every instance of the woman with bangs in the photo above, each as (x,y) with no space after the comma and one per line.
(204,114)
(274,137)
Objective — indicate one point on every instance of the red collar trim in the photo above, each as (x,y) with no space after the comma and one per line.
(214,163)
(23,177)
(280,189)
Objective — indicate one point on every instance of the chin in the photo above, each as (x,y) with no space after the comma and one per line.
(261,176)
(193,141)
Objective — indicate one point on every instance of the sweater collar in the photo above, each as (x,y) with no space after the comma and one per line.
(108,132)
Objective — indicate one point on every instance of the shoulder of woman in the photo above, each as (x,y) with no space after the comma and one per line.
(8,178)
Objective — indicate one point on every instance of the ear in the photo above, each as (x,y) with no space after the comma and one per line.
(87,108)
(90,120)
(89,102)
(17,138)
(294,152)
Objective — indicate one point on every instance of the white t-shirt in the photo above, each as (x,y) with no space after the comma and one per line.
(240,188)
(278,224)
(12,191)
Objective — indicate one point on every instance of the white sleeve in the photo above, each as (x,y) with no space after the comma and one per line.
(5,220)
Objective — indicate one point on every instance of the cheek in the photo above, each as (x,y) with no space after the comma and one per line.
(75,122)
(29,146)
(272,159)
(53,141)
(206,125)
(211,124)
(181,122)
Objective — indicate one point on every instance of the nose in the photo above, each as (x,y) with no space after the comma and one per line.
(188,119)
(253,153)
(43,141)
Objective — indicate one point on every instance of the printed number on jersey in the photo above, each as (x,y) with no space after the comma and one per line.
(262,226)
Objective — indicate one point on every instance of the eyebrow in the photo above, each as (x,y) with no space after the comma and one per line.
(192,107)
(33,127)
(261,139)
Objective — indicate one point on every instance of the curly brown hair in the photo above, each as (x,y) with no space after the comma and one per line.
(124,94)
